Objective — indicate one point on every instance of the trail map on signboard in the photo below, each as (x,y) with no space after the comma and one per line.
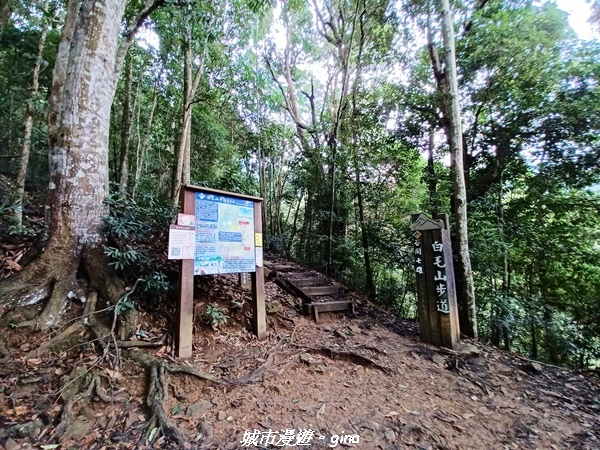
(224,235)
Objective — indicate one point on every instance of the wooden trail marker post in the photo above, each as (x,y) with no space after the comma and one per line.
(227,239)
(436,290)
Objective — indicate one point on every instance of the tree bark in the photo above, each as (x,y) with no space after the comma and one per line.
(140,165)
(371,288)
(467,297)
(83,90)
(29,114)
(190,86)
(126,127)
(435,206)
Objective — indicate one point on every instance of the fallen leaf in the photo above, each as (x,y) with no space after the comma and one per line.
(17,411)
(392,414)
(11,265)
(114,374)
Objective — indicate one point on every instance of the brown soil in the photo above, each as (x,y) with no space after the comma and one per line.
(366,375)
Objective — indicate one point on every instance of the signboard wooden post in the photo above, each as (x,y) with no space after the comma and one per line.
(227,226)
(436,291)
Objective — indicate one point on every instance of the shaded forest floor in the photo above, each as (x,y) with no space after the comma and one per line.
(365,375)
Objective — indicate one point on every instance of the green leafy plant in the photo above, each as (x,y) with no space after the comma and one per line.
(214,316)
(136,231)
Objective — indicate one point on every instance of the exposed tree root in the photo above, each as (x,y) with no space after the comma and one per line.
(65,289)
(140,344)
(148,360)
(74,328)
(346,356)
(95,387)
(195,371)
(149,434)
(157,396)
(52,277)
(33,284)
(111,288)
(55,341)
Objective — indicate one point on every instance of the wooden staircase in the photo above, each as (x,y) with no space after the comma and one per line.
(318,293)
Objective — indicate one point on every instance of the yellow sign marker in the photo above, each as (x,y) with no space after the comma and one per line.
(258,239)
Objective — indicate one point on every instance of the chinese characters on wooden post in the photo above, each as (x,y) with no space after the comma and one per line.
(226,237)
(436,292)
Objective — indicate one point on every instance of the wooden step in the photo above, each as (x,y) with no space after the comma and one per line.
(283,268)
(296,275)
(314,281)
(320,290)
(316,308)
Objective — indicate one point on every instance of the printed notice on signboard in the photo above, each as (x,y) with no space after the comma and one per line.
(181,242)
(186,220)
(224,239)
(259,256)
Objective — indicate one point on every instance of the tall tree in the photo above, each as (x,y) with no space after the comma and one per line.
(89,59)
(455,139)
(29,114)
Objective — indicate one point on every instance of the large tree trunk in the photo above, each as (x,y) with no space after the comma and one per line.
(82,93)
(463,268)
(29,113)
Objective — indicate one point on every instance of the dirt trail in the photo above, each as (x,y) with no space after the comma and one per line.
(366,376)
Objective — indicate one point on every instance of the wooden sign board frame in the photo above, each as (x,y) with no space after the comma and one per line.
(185,305)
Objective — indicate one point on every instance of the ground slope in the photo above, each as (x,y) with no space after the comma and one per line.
(365,375)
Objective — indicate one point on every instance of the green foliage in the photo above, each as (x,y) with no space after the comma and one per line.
(137,232)
(214,316)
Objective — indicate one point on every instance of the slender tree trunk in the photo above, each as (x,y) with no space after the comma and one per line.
(262,180)
(505,288)
(467,297)
(29,113)
(434,201)
(182,173)
(294,225)
(365,240)
(126,127)
(140,166)
(534,342)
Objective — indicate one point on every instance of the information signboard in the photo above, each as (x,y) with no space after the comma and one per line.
(225,239)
